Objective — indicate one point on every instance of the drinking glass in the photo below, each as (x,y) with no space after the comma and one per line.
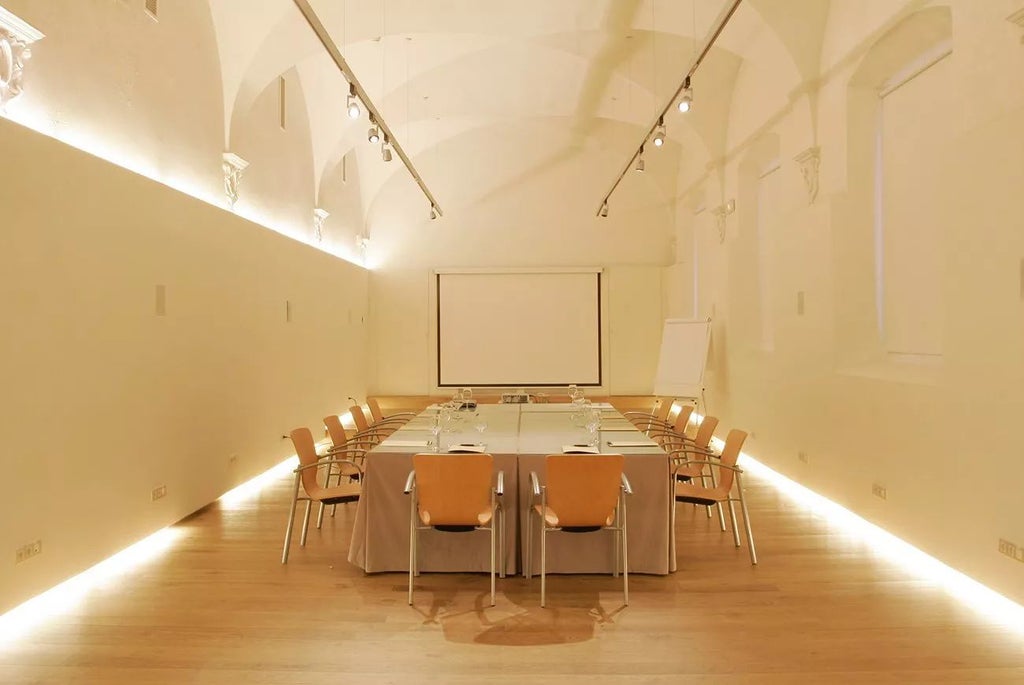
(435,430)
(480,423)
(592,425)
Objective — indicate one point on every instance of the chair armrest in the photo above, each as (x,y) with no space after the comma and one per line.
(409,482)
(645,414)
(626,487)
(410,414)
(500,489)
(694,449)
(321,462)
(535,483)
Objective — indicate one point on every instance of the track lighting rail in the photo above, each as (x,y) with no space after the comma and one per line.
(357,88)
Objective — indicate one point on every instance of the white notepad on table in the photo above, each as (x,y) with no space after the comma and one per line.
(632,443)
(580,449)
(470,447)
(405,443)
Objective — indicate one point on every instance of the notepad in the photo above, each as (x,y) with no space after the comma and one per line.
(405,443)
(580,449)
(469,447)
(632,443)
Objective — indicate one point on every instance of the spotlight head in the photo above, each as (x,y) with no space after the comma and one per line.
(353,103)
(433,212)
(686,99)
(640,159)
(659,134)
(604,209)
(385,153)
(373,135)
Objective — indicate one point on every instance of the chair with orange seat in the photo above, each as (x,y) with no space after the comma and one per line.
(306,478)
(656,418)
(674,434)
(721,492)
(454,494)
(378,416)
(581,494)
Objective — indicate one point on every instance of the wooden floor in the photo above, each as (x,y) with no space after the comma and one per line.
(220,608)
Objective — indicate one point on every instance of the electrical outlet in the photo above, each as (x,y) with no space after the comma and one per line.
(802,456)
(233,459)
(879,491)
(159,492)
(1011,550)
(28,551)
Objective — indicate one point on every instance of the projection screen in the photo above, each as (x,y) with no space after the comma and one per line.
(519,329)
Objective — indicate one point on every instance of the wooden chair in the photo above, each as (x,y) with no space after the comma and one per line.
(581,494)
(722,491)
(367,431)
(697,452)
(658,417)
(306,477)
(378,416)
(352,447)
(673,434)
(453,494)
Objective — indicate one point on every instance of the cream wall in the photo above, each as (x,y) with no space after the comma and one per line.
(944,442)
(104,400)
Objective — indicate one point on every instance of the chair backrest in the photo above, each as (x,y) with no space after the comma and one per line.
(375,411)
(335,430)
(305,450)
(706,431)
(683,418)
(453,490)
(583,489)
(359,417)
(730,453)
(662,410)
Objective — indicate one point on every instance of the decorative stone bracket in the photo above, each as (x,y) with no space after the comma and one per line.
(810,161)
(721,213)
(15,37)
(233,167)
(319,217)
(1018,19)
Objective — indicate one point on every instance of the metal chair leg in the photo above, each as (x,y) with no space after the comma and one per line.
(543,560)
(412,547)
(493,540)
(625,556)
(528,554)
(732,517)
(305,523)
(501,544)
(746,521)
(721,511)
(291,522)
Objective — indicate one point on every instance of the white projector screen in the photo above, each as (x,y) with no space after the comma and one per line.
(518,329)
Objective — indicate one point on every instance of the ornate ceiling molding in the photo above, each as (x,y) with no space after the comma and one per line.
(721,213)
(16,35)
(233,167)
(319,217)
(810,162)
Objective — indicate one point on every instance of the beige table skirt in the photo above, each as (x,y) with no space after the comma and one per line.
(380,538)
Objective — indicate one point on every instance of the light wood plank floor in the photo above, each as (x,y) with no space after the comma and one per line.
(220,608)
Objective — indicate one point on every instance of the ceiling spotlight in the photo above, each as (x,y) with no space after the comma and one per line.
(640,159)
(433,212)
(659,133)
(373,135)
(687,97)
(353,103)
(604,209)
(385,153)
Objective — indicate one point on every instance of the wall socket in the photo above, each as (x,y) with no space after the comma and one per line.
(879,491)
(233,459)
(802,456)
(159,492)
(1011,550)
(28,551)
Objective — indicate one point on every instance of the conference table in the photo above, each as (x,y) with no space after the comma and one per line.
(519,437)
